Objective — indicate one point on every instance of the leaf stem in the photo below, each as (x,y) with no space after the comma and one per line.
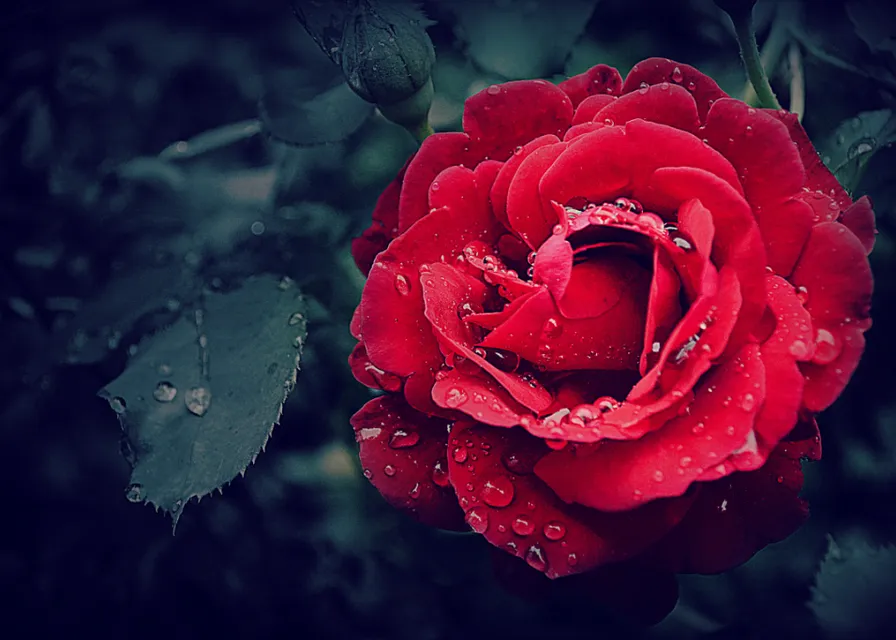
(749,52)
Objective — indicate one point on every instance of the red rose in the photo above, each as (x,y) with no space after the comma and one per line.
(604,317)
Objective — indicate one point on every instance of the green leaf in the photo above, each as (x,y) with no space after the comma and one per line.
(516,42)
(855,141)
(290,112)
(874,23)
(854,590)
(199,400)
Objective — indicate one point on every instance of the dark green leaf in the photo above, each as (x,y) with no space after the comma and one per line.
(874,23)
(854,590)
(324,21)
(855,141)
(516,42)
(199,400)
(291,114)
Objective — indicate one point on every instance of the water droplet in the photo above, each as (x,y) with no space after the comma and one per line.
(516,464)
(455,397)
(368,474)
(664,86)
(402,286)
(802,294)
(389,470)
(659,476)
(118,405)
(827,347)
(536,558)
(164,392)
(295,319)
(501,359)
(477,519)
(676,75)
(685,461)
(134,493)
(517,151)
(644,88)
(551,329)
(748,402)
(798,349)
(748,130)
(572,559)
(522,526)
(493,90)
(497,492)
(198,400)
(402,439)
(459,454)
(605,404)
(730,430)
(440,475)
(698,428)
(554,530)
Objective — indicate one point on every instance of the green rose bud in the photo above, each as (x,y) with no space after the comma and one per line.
(387,56)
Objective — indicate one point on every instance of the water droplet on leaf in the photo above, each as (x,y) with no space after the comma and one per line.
(198,400)
(164,392)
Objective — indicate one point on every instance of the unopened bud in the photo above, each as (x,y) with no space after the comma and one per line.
(387,56)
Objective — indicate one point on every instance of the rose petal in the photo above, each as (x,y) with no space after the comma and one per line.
(663,308)
(735,517)
(737,244)
(445,290)
(384,225)
(478,396)
(859,218)
(825,383)
(400,450)
(539,333)
(837,276)
(818,176)
(369,374)
(508,171)
(598,80)
(668,104)
(590,107)
(623,475)
(553,266)
(396,334)
(490,470)
(528,217)
(437,153)
(508,115)
(653,71)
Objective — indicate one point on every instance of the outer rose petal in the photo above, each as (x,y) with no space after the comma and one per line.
(735,517)
(598,80)
(670,105)
(654,71)
(400,449)
(859,218)
(508,171)
(589,108)
(531,219)
(623,475)
(505,116)
(397,335)
(369,374)
(490,470)
(818,176)
(383,227)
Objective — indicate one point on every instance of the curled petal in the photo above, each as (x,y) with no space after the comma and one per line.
(653,71)
(618,476)
(598,80)
(859,218)
(503,117)
(491,471)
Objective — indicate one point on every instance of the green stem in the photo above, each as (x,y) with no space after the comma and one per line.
(749,52)
(423,131)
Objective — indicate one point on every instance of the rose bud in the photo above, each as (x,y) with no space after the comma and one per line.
(387,58)
(603,318)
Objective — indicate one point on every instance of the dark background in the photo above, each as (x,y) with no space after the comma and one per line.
(93,91)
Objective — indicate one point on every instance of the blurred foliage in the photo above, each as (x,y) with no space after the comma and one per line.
(137,172)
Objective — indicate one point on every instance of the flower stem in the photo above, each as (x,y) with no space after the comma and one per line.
(749,52)
(797,82)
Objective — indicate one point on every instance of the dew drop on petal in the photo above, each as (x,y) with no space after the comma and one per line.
(552,329)
(676,75)
(748,402)
(389,470)
(827,347)
(802,294)
(522,526)
(459,454)
(402,286)
(536,559)
(554,531)
(572,559)
(440,475)
(402,439)
(493,90)
(658,476)
(798,349)
(497,492)
(455,397)
(477,518)
(644,88)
